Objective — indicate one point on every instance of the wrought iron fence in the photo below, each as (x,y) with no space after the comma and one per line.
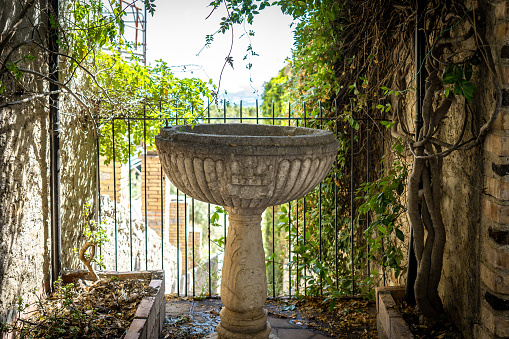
(154,226)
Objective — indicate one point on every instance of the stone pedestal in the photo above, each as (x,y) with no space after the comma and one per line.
(244,283)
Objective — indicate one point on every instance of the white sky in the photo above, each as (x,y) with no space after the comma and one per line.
(176,33)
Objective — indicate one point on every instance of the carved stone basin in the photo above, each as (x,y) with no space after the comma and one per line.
(245,168)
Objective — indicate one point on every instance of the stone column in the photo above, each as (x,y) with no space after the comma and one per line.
(244,283)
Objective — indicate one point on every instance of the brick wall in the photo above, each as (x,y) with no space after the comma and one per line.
(176,214)
(494,304)
(108,185)
(155,191)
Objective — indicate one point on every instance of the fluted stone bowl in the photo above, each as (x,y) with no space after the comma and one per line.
(245,165)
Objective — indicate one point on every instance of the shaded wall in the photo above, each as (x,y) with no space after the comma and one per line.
(25,241)
(473,196)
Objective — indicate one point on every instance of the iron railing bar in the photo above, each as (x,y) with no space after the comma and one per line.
(161,173)
(251,118)
(209,262)
(185,242)
(273,234)
(257,114)
(367,180)
(99,207)
(297,281)
(336,199)
(351,209)
(178,244)
(224,214)
(320,211)
(145,180)
(304,211)
(179,274)
(209,247)
(130,195)
(114,193)
(289,248)
(194,248)
(289,228)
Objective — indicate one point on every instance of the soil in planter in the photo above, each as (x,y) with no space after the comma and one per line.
(443,328)
(101,309)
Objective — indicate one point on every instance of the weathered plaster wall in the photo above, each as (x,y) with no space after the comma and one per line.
(463,185)
(24,190)
(24,173)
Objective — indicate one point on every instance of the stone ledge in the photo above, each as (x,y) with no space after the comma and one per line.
(390,323)
(149,317)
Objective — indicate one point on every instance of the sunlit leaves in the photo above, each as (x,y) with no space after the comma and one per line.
(459,77)
(149,92)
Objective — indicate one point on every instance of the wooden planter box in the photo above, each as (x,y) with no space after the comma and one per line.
(389,322)
(150,314)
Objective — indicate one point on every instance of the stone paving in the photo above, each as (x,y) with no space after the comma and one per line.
(203,316)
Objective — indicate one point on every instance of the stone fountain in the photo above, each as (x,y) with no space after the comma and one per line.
(245,168)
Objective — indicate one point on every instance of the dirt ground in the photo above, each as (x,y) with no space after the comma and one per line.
(307,318)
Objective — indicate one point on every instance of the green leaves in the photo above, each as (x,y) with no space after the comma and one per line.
(382,201)
(459,77)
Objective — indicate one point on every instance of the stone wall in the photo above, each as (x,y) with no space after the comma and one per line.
(25,240)
(494,231)
(147,248)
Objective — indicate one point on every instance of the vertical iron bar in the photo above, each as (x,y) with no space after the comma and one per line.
(320,209)
(289,248)
(178,222)
(114,191)
(297,281)
(224,214)
(185,242)
(257,122)
(210,264)
(161,173)
(304,212)
(99,216)
(273,232)
(162,217)
(192,206)
(351,211)
(178,243)
(130,194)
(289,228)
(240,111)
(273,254)
(145,180)
(368,150)
(336,199)
(54,123)
(208,214)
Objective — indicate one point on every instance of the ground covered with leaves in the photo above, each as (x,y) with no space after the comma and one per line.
(101,309)
(442,328)
(349,318)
